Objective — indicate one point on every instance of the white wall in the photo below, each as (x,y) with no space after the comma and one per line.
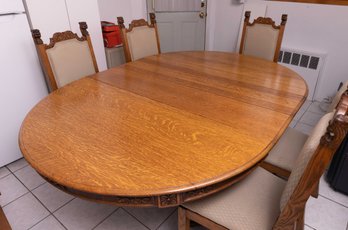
(88,12)
(311,27)
(129,10)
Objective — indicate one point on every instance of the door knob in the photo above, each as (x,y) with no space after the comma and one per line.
(201,14)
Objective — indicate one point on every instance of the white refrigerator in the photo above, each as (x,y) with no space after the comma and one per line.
(22,84)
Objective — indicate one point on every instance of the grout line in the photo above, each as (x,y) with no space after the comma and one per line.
(299,119)
(25,185)
(50,213)
(330,199)
(100,222)
(310,226)
(135,218)
(16,169)
(6,174)
(16,199)
(64,205)
(170,215)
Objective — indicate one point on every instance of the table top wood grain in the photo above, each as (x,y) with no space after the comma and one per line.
(162,130)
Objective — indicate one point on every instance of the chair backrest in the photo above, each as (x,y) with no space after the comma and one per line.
(312,162)
(262,38)
(337,97)
(140,39)
(67,57)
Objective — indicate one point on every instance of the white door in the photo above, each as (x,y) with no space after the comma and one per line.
(181,23)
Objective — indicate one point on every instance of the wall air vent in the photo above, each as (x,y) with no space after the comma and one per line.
(297,59)
(307,64)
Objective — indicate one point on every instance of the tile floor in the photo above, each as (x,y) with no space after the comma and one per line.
(31,203)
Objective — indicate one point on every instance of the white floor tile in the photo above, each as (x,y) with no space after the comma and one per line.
(323,214)
(11,188)
(25,212)
(4,172)
(81,214)
(315,108)
(171,223)
(151,217)
(52,197)
(293,124)
(29,177)
(310,118)
(14,166)
(326,191)
(120,220)
(302,110)
(48,223)
(307,129)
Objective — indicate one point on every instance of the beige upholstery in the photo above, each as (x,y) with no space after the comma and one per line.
(142,42)
(337,97)
(285,152)
(260,41)
(304,157)
(252,203)
(70,60)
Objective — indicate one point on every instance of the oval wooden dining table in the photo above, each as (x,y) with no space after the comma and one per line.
(162,130)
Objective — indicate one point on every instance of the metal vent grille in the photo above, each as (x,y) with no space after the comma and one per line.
(298,59)
(314,62)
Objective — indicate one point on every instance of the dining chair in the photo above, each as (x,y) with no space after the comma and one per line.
(264,201)
(281,159)
(262,38)
(67,57)
(141,39)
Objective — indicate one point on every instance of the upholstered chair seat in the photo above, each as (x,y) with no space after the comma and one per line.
(252,204)
(262,200)
(284,154)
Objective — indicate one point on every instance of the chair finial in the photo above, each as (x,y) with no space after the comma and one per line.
(284,19)
(247,16)
(35,33)
(153,18)
(120,22)
(83,29)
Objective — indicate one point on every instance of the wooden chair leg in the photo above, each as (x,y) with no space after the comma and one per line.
(4,225)
(300,221)
(315,192)
(282,173)
(183,220)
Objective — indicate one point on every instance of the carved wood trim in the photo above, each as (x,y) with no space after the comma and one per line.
(63,36)
(162,201)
